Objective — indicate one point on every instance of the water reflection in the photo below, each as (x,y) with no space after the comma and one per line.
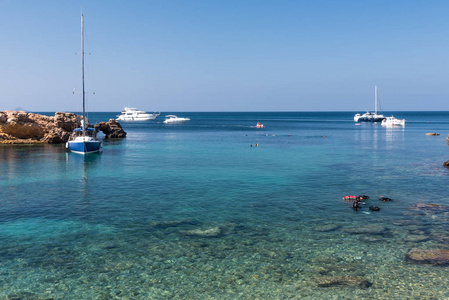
(374,133)
(394,134)
(368,132)
(19,161)
(82,169)
(114,147)
(82,163)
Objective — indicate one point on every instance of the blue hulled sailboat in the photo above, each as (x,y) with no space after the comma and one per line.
(84,139)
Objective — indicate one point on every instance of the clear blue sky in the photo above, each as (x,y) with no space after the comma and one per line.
(233,55)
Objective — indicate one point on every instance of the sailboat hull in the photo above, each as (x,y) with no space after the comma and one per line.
(369,118)
(85,147)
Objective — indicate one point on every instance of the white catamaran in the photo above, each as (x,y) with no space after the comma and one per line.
(369,116)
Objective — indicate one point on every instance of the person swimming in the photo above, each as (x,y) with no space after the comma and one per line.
(385,199)
(356,205)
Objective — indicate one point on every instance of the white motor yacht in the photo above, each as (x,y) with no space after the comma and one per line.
(133,114)
(392,121)
(170,119)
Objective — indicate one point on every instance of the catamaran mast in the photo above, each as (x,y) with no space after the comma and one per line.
(82,74)
(375,98)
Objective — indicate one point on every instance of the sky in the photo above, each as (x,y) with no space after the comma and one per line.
(233,55)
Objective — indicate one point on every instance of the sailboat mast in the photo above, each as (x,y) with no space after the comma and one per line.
(82,74)
(375,99)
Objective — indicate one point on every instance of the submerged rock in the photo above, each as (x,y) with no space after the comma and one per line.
(23,295)
(326,228)
(442,239)
(371,239)
(368,229)
(428,207)
(168,224)
(329,281)
(404,222)
(416,238)
(210,232)
(434,257)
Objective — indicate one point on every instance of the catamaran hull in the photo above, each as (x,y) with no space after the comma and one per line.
(363,119)
(85,147)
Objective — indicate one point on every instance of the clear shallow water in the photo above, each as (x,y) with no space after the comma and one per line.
(192,211)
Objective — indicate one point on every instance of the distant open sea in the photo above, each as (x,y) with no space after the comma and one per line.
(193,211)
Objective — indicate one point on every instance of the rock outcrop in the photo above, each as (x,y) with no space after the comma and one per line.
(20,127)
(112,129)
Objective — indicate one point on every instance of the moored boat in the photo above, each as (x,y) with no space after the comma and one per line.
(171,119)
(369,116)
(84,139)
(133,114)
(392,121)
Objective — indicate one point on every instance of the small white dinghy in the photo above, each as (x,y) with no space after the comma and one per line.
(392,121)
(172,119)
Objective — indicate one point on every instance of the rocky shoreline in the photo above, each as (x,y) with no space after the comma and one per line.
(20,127)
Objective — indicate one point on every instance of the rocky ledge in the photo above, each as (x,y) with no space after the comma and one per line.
(20,127)
(112,129)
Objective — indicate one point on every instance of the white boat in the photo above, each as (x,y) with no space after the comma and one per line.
(133,114)
(84,139)
(392,121)
(170,119)
(369,116)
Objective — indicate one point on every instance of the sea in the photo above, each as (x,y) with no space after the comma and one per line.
(219,209)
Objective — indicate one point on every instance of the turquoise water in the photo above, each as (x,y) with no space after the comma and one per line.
(193,211)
